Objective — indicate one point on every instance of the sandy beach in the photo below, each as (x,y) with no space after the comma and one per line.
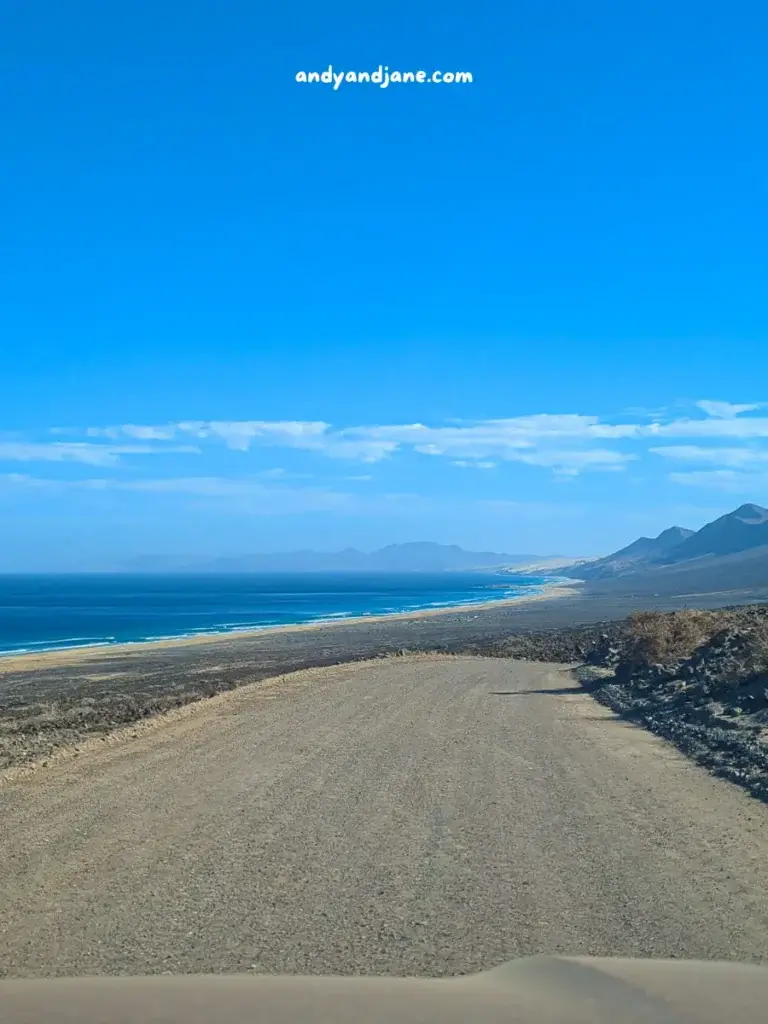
(73,655)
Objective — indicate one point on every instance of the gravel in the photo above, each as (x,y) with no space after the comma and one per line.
(414,815)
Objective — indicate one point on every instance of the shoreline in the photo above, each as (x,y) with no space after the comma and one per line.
(55,700)
(59,657)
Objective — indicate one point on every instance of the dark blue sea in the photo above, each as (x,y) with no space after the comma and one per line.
(40,613)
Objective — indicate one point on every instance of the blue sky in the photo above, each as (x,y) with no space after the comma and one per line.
(240,313)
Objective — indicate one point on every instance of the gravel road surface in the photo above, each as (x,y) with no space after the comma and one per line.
(418,815)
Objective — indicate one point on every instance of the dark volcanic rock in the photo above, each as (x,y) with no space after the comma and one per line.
(713,704)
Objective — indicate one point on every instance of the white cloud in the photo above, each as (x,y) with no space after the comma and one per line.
(137,431)
(78,451)
(149,433)
(337,447)
(310,436)
(726,410)
(283,474)
(476,440)
(564,462)
(744,428)
(736,457)
(574,461)
(371,443)
(565,443)
(465,464)
(241,434)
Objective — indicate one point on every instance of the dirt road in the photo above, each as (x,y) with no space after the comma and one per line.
(425,815)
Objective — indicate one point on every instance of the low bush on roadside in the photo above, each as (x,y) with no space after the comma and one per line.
(664,637)
(668,638)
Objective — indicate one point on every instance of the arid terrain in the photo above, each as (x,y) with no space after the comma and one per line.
(53,700)
(427,795)
(423,815)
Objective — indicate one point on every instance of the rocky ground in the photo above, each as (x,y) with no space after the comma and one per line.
(700,679)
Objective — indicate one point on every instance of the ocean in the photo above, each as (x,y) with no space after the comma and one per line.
(39,613)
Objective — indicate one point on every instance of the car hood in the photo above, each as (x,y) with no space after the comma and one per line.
(534,990)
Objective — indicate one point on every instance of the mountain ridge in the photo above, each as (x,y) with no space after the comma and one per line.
(415,556)
(737,536)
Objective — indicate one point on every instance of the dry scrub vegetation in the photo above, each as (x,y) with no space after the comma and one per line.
(667,638)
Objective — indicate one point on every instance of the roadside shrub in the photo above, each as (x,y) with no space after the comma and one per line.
(666,637)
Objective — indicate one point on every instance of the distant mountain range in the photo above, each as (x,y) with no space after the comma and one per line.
(416,557)
(728,554)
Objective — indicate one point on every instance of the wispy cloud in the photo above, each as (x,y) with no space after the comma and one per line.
(79,451)
(527,439)
(718,427)
(498,436)
(573,462)
(567,444)
(140,433)
(312,436)
(726,410)
(468,464)
(736,457)
(241,434)
(475,439)
(283,474)
(729,480)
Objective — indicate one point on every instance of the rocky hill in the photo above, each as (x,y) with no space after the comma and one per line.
(728,554)
(741,530)
(643,552)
